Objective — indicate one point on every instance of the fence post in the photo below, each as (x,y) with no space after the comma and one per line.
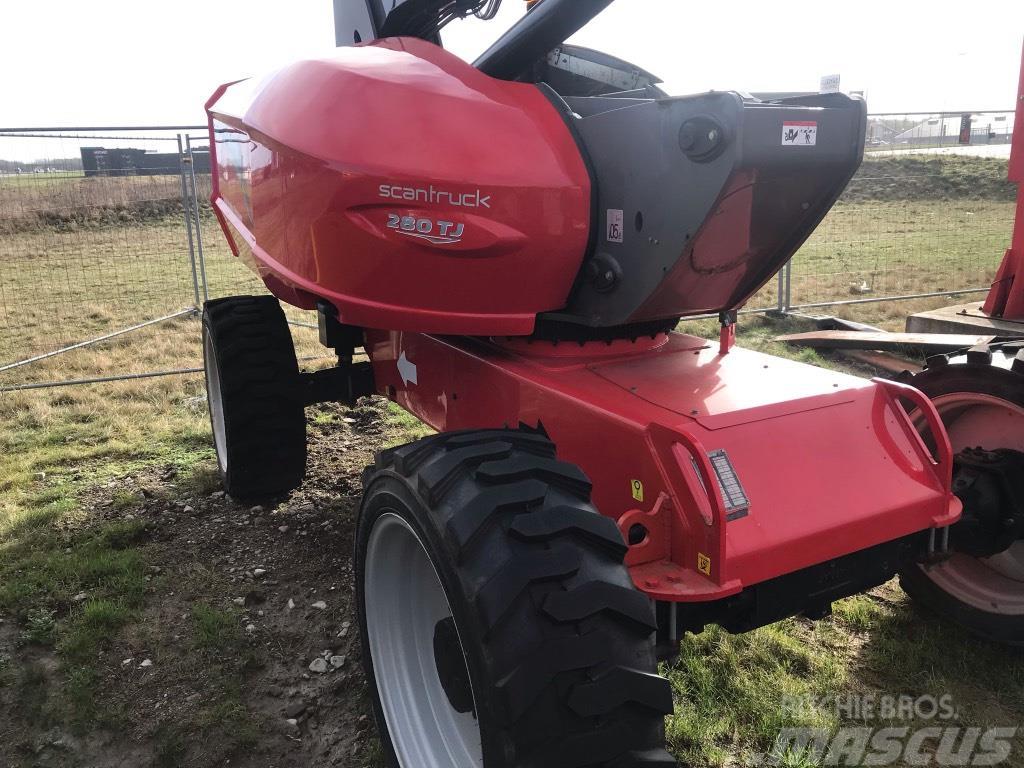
(783,291)
(185,206)
(195,211)
(780,290)
(788,305)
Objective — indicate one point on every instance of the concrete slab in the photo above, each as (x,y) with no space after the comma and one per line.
(963,318)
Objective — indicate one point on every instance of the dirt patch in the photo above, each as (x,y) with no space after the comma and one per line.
(246,648)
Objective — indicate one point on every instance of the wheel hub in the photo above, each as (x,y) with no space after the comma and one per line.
(215,401)
(451,666)
(417,656)
(991,486)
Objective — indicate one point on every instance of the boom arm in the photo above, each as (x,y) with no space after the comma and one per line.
(548,24)
(533,36)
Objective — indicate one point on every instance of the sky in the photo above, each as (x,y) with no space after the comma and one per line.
(132,62)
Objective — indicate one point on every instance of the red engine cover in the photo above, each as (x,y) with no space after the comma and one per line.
(405,187)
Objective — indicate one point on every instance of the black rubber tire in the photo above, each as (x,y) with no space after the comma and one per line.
(264,437)
(558,640)
(997,371)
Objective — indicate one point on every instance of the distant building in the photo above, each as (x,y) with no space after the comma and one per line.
(120,161)
(100,161)
(880,132)
(989,128)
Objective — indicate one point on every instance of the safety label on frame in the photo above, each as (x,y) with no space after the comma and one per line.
(799,133)
(703,563)
(614,225)
(637,488)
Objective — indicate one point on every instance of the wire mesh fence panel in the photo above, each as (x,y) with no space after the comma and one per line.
(765,299)
(908,225)
(92,237)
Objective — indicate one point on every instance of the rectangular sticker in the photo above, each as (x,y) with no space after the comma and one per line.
(799,133)
(614,225)
(637,488)
(829,84)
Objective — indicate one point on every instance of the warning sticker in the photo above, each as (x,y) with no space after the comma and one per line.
(703,563)
(799,133)
(638,489)
(614,225)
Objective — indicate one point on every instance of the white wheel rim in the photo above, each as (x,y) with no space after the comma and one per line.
(213,398)
(991,584)
(404,603)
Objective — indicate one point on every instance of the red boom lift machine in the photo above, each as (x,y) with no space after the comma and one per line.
(512,242)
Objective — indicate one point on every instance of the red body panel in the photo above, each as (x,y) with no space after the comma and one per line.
(480,178)
(830,462)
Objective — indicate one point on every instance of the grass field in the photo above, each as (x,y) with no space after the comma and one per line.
(63,454)
(80,467)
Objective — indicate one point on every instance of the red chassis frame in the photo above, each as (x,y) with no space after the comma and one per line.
(831,464)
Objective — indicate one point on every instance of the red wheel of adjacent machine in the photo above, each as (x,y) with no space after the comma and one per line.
(980,398)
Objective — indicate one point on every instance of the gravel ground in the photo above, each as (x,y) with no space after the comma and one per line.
(246,651)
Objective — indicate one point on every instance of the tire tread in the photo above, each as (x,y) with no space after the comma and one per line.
(265,428)
(504,491)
